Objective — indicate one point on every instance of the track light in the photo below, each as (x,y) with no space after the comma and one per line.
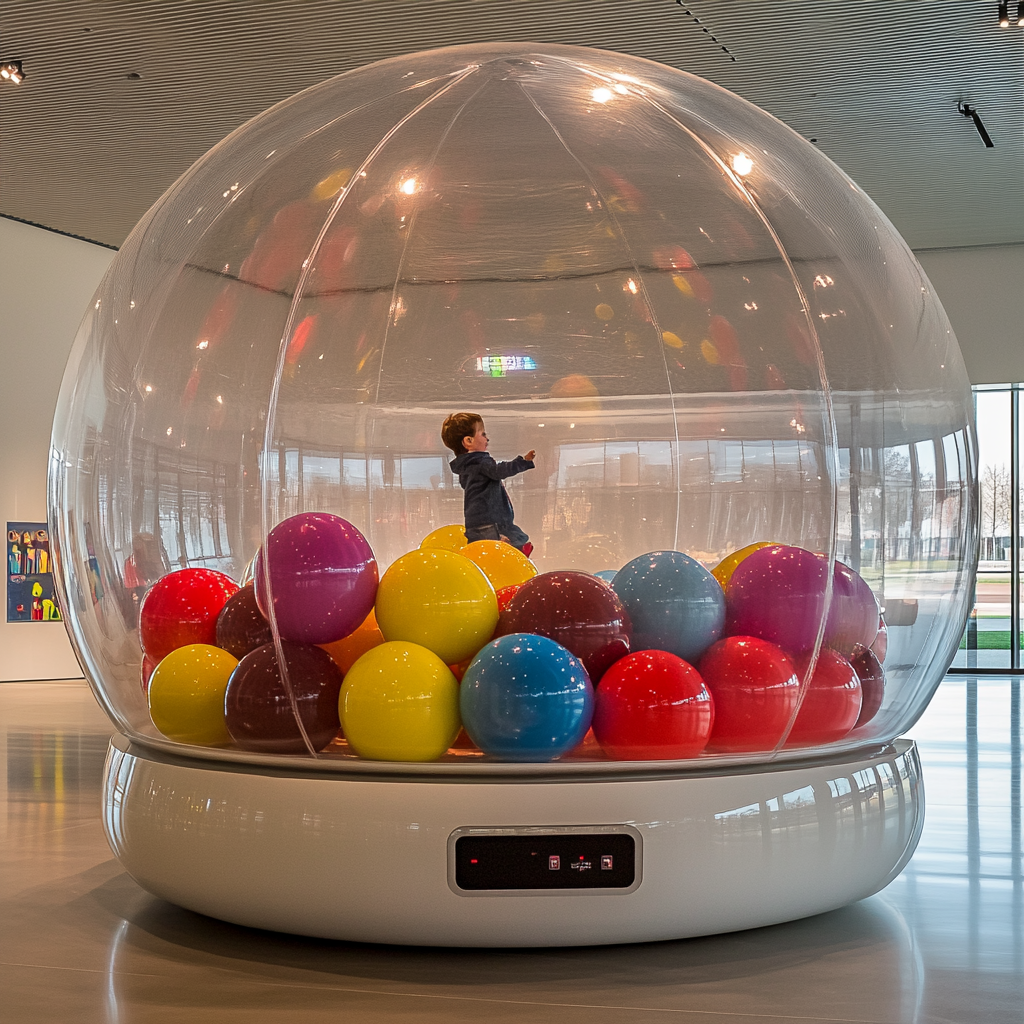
(968,111)
(1004,14)
(11,70)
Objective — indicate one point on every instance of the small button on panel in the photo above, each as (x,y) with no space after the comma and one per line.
(536,860)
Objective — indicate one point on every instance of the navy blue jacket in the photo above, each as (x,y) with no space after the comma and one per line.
(486,502)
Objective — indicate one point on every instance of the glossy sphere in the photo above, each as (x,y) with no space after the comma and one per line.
(880,647)
(526,698)
(727,566)
(148,665)
(673,602)
(576,610)
(323,577)
(502,564)
(439,600)
(778,594)
(852,622)
(186,694)
(348,650)
(607,575)
(447,538)
(832,702)
(241,627)
(258,708)
(872,682)
(755,689)
(181,608)
(400,702)
(650,706)
(505,595)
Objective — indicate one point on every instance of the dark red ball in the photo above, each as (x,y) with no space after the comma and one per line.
(832,702)
(852,622)
(181,608)
(241,627)
(755,689)
(650,706)
(259,712)
(881,645)
(872,682)
(576,610)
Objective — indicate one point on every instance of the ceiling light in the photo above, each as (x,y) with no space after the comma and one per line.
(742,164)
(601,95)
(1004,14)
(12,71)
(1020,14)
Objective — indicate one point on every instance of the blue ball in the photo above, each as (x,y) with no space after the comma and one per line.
(606,574)
(526,698)
(673,602)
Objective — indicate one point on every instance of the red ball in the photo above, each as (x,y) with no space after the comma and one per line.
(652,706)
(832,702)
(181,608)
(505,595)
(259,711)
(872,682)
(148,668)
(755,689)
(575,610)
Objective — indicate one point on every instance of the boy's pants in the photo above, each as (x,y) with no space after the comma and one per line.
(495,531)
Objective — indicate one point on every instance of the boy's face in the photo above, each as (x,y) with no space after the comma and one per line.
(478,442)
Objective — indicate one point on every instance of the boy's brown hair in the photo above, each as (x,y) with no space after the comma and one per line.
(457,426)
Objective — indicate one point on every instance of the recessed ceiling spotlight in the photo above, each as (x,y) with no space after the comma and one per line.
(12,71)
(1004,14)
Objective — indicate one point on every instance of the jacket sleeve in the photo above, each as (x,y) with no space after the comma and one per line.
(503,470)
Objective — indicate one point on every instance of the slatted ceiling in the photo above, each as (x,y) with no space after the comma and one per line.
(86,150)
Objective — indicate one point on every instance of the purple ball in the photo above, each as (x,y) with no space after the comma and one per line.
(852,623)
(778,594)
(323,578)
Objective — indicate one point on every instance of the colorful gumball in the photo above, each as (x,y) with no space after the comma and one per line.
(881,645)
(186,694)
(673,603)
(259,711)
(181,608)
(502,564)
(575,610)
(400,702)
(439,600)
(852,623)
(831,703)
(777,593)
(447,538)
(727,566)
(505,595)
(652,706)
(348,650)
(755,689)
(526,698)
(241,627)
(872,681)
(323,578)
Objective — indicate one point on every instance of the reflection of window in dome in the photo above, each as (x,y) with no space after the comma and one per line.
(498,366)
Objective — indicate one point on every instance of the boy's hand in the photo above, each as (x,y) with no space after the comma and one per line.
(529,455)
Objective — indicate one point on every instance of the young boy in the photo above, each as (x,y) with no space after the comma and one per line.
(488,510)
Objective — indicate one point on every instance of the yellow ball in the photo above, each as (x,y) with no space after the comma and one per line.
(502,564)
(448,538)
(400,702)
(440,600)
(186,694)
(727,566)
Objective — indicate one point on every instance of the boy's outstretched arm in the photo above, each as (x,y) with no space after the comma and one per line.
(503,470)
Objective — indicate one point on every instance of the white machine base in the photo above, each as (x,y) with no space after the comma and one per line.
(370,859)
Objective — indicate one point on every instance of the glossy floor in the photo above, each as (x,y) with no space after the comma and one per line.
(79,941)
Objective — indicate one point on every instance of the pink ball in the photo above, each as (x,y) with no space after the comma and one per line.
(323,578)
(852,623)
(777,593)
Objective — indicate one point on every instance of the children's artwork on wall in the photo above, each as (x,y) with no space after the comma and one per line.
(30,596)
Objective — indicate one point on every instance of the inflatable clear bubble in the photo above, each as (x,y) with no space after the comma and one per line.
(747,531)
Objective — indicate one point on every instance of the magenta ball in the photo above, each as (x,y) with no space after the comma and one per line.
(323,578)
(852,622)
(778,594)
(872,680)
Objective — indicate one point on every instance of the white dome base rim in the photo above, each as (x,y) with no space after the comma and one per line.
(370,859)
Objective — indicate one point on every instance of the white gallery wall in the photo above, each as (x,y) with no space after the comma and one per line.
(46,281)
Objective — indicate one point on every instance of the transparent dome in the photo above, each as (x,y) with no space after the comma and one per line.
(708,334)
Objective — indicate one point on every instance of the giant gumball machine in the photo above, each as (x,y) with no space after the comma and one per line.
(751,513)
